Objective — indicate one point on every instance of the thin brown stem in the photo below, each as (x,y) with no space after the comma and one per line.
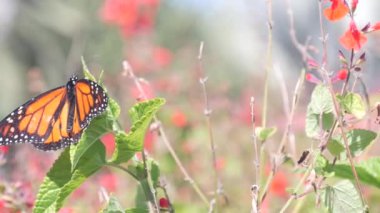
(281,147)
(268,64)
(128,71)
(162,186)
(207,112)
(337,110)
(255,188)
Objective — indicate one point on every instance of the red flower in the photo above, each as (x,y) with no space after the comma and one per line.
(179,119)
(353,38)
(279,184)
(164,203)
(342,74)
(132,16)
(108,181)
(149,140)
(312,78)
(4,149)
(220,163)
(109,142)
(375,27)
(354,4)
(336,11)
(162,56)
(66,210)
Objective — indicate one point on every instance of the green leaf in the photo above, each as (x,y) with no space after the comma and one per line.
(368,171)
(127,144)
(342,198)
(313,127)
(137,210)
(86,71)
(321,100)
(61,181)
(264,133)
(335,147)
(353,104)
(97,128)
(358,140)
(322,166)
(154,173)
(113,206)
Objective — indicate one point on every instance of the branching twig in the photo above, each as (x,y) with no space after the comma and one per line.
(128,71)
(285,136)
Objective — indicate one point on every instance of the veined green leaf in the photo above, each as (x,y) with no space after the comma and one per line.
(127,144)
(342,198)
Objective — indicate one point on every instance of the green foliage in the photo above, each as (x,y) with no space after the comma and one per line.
(113,206)
(368,171)
(127,144)
(353,104)
(319,110)
(79,162)
(358,140)
(321,100)
(342,197)
(313,126)
(264,133)
(61,180)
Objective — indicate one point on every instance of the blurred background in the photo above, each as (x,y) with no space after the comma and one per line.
(42,42)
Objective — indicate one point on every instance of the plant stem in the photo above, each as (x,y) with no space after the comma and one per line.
(207,113)
(268,64)
(128,71)
(337,109)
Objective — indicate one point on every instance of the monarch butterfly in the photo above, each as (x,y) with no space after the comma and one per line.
(55,119)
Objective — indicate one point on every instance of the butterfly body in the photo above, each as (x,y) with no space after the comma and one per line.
(57,118)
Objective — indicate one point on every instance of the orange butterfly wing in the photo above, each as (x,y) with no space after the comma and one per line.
(44,120)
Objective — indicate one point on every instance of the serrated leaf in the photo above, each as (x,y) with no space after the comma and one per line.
(353,104)
(358,140)
(321,100)
(335,147)
(97,128)
(312,125)
(368,171)
(113,206)
(342,198)
(264,133)
(127,144)
(61,181)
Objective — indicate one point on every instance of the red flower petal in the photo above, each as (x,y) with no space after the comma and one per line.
(4,149)
(164,203)
(354,4)
(162,57)
(375,27)
(342,74)
(337,10)
(279,184)
(179,119)
(312,78)
(353,38)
